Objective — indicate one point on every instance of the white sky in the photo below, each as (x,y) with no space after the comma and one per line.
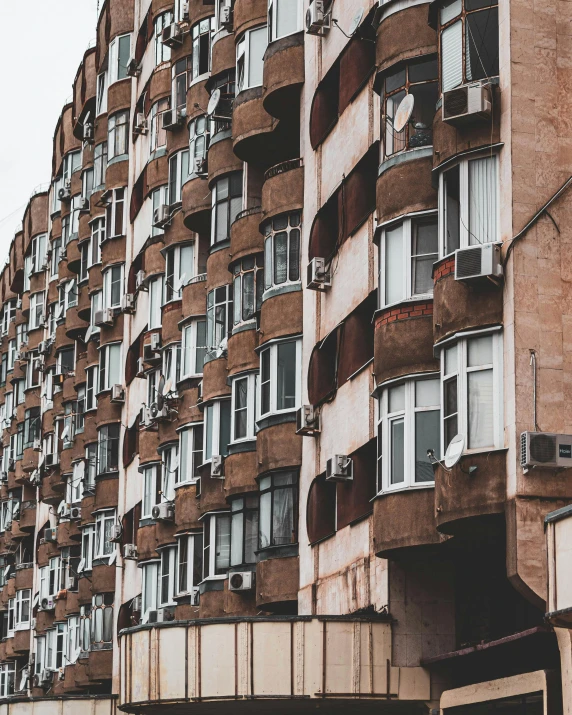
(42,46)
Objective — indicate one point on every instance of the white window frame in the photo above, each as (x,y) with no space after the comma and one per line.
(97,238)
(72,640)
(273,379)
(24,596)
(102,548)
(87,548)
(168,571)
(174,284)
(171,355)
(117,200)
(162,52)
(109,281)
(272,20)
(243,53)
(38,252)
(250,408)
(155,302)
(194,543)
(189,348)
(149,486)
(114,59)
(149,588)
(169,471)
(101,93)
(215,447)
(270,233)
(176,165)
(209,552)
(189,437)
(36,310)
(108,377)
(7,679)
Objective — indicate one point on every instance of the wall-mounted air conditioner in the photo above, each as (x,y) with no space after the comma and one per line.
(307,421)
(164,511)
(317,275)
(340,468)
(241,581)
(318,21)
(467,103)
(478,263)
(172,35)
(545,449)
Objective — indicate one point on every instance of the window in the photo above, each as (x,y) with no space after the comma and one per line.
(243,407)
(225,81)
(102,621)
(67,298)
(216,545)
(250,58)
(226,205)
(74,484)
(193,348)
(108,449)
(75,209)
(65,233)
(99,165)
(282,250)
(219,317)
(198,140)
(217,429)
(407,251)
(96,301)
(7,679)
(87,183)
(191,454)
(65,362)
(280,369)
(181,74)
(157,135)
(472,391)
(109,366)
(149,588)
(32,426)
(151,495)
(71,163)
(167,576)
(189,563)
(90,388)
(104,522)
(36,310)
(56,186)
(155,302)
(408,426)
(179,270)
(85,251)
(55,259)
(469,41)
(420,80)
(284,18)
(115,214)
(87,548)
(278,510)
(113,286)
(23,609)
(169,471)
(90,466)
(469,204)
(244,530)
(73,646)
(178,174)
(101,94)
(50,579)
(117,126)
(38,248)
(201,34)
(172,368)
(248,288)
(119,54)
(162,52)
(159,197)
(11,354)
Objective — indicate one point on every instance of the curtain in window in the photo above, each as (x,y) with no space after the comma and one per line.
(483,200)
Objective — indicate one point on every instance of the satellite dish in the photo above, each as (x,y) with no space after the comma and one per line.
(79,469)
(454,451)
(66,432)
(221,347)
(213,102)
(168,386)
(160,392)
(61,507)
(179,283)
(356,21)
(404,111)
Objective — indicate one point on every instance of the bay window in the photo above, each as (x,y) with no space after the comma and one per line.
(469,37)
(55,258)
(109,366)
(108,449)
(104,523)
(250,58)
(244,530)
(198,140)
(67,297)
(471,384)
(469,204)
(97,238)
(149,588)
(407,250)
(119,55)
(278,509)
(169,471)
(155,302)
(162,52)
(282,250)
(113,286)
(91,388)
(56,203)
(99,165)
(151,495)
(217,429)
(152,381)
(226,205)
(32,426)
(178,174)
(219,318)
(419,79)
(243,407)
(90,466)
(73,645)
(193,348)
(408,426)
(179,269)
(190,454)
(36,310)
(74,484)
(74,213)
(181,74)
(285,17)
(87,548)
(11,617)
(157,135)
(23,609)
(248,287)
(80,410)
(167,576)
(65,233)
(102,621)
(70,164)
(279,380)
(38,248)
(40,654)
(172,367)
(84,250)
(7,679)
(115,214)
(84,629)
(201,34)
(216,545)
(11,354)
(87,183)
(189,563)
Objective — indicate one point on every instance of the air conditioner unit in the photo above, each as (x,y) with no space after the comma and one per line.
(88,132)
(195,596)
(217,466)
(172,119)
(44,678)
(185,10)
(161,216)
(140,124)
(43,347)
(317,276)
(226,17)
(128,303)
(48,603)
(75,513)
(307,421)
(50,535)
(241,581)
(340,468)
(156,342)
(136,602)
(130,552)
(140,367)
(544,449)
(151,616)
(164,511)
(317,19)
(165,614)
(37,445)
(116,534)
(39,363)
(139,280)
(64,194)
(158,413)
(64,511)
(133,69)
(103,317)
(117,394)
(3,476)
(84,204)
(467,103)
(478,263)
(172,35)
(200,167)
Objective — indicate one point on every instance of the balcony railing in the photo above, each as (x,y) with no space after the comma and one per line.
(282,168)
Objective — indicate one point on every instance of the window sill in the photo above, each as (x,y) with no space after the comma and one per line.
(188,483)
(117,159)
(212,583)
(245,445)
(277,552)
(215,247)
(241,327)
(281,289)
(405,156)
(276,419)
(220,136)
(400,490)
(404,301)
(158,153)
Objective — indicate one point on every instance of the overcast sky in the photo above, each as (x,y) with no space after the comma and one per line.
(42,45)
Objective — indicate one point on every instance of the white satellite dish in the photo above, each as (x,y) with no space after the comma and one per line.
(213,102)
(168,386)
(65,433)
(356,21)
(180,282)
(61,507)
(404,111)
(454,451)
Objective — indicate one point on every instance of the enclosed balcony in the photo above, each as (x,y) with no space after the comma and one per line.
(559,548)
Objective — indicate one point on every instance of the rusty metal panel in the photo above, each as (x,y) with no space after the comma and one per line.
(171,642)
(218,661)
(139,655)
(272,648)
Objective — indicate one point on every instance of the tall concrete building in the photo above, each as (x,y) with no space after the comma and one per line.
(285,375)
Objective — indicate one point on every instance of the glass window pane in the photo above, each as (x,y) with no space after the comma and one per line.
(394,268)
(452,209)
(286,376)
(480,351)
(451,360)
(397,431)
(426,437)
(427,393)
(236,539)
(280,258)
(283,517)
(482,44)
(222,544)
(480,409)
(396,399)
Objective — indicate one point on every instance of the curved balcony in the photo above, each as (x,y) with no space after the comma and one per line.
(277,584)
(103,578)
(404,34)
(221,158)
(147,541)
(223,53)
(215,373)
(283,189)
(196,205)
(404,184)
(245,238)
(281,315)
(75,326)
(24,576)
(217,267)
(278,446)
(283,76)
(195,296)
(559,548)
(403,340)
(241,351)
(240,469)
(252,127)
(27,521)
(172,315)
(187,507)
(247,14)
(262,664)
(106,493)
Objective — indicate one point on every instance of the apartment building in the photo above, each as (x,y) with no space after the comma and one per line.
(284,374)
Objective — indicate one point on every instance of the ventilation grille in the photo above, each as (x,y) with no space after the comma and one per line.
(543,448)
(455,102)
(523,451)
(469,263)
